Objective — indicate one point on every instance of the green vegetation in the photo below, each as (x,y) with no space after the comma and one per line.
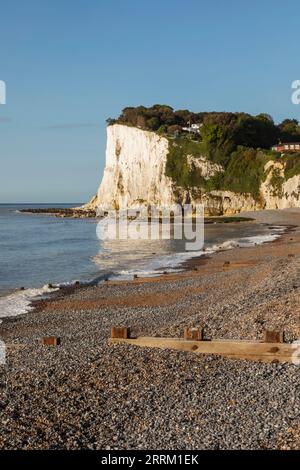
(245,171)
(158,118)
(239,142)
(289,130)
(292,167)
(177,165)
(222,131)
(276,182)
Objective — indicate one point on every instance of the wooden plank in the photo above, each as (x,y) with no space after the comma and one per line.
(258,351)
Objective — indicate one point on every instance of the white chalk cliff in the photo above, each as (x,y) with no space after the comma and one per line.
(135,173)
(284,197)
(135,169)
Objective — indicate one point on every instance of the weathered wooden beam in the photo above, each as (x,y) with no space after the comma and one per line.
(250,350)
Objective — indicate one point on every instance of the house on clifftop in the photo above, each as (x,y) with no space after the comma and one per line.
(192,128)
(288,147)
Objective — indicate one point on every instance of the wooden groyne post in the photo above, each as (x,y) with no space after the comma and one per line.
(51,341)
(271,349)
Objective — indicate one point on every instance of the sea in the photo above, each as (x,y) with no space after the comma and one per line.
(37,250)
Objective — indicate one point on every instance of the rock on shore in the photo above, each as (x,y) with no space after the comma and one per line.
(77,212)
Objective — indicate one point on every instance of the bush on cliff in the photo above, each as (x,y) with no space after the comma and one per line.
(238,141)
(292,165)
(156,117)
(243,173)
(219,129)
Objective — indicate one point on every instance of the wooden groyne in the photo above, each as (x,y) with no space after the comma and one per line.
(271,349)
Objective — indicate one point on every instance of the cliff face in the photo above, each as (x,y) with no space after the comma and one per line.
(135,173)
(135,169)
(281,194)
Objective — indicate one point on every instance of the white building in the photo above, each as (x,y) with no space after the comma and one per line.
(195,128)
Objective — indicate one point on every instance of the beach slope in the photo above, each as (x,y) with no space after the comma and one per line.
(88,394)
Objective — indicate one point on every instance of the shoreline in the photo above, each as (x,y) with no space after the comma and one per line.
(191,261)
(87,394)
(184,269)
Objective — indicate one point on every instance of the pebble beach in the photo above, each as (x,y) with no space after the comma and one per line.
(87,394)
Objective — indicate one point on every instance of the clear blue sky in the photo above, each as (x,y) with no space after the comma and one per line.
(70,64)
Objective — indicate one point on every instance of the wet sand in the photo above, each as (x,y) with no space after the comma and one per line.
(86,394)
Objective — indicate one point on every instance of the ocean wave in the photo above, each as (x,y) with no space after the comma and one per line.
(172,263)
(19,302)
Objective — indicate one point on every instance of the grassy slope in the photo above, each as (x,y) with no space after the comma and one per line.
(243,173)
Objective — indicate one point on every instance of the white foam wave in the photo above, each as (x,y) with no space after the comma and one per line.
(166,263)
(173,262)
(19,302)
